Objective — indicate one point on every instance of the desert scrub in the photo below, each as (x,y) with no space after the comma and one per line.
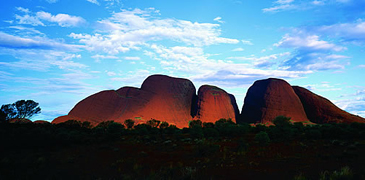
(262,138)
(344,174)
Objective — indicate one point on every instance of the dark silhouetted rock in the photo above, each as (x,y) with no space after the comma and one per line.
(269,98)
(215,103)
(321,110)
(41,122)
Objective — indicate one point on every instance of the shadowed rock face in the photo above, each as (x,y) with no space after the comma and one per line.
(321,110)
(269,98)
(160,97)
(215,103)
(20,120)
(41,122)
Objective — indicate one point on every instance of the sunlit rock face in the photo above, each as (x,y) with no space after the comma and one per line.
(174,100)
(269,98)
(321,110)
(215,103)
(160,97)
(171,99)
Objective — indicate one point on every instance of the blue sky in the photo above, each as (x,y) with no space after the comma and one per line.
(58,52)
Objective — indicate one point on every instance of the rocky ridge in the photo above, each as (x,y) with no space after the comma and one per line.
(175,101)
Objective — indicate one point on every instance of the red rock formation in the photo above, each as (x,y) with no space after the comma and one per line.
(171,101)
(215,103)
(41,122)
(20,120)
(160,97)
(321,110)
(269,98)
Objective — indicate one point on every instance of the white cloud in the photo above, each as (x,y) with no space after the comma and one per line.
(284,1)
(40,59)
(218,19)
(24,10)
(199,68)
(131,29)
(238,49)
(353,32)
(94,2)
(63,20)
(16,42)
(307,42)
(110,73)
(27,19)
(98,56)
(52,1)
(281,7)
(316,2)
(247,42)
(132,58)
(26,30)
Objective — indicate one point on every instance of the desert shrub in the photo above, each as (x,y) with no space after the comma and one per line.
(210,132)
(262,138)
(164,125)
(153,123)
(142,129)
(244,128)
(204,148)
(194,123)
(282,121)
(280,134)
(313,134)
(242,145)
(227,127)
(299,126)
(258,128)
(129,123)
(115,128)
(300,177)
(208,125)
(172,130)
(344,174)
(71,124)
(223,122)
(196,132)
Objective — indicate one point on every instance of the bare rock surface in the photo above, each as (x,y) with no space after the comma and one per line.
(269,98)
(215,103)
(321,110)
(160,97)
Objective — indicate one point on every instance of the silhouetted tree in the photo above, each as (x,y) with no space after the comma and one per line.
(129,123)
(262,138)
(194,123)
(8,111)
(164,125)
(282,121)
(2,116)
(153,123)
(21,109)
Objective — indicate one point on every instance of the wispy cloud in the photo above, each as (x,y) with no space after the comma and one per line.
(94,2)
(131,29)
(36,42)
(39,18)
(218,19)
(238,49)
(306,42)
